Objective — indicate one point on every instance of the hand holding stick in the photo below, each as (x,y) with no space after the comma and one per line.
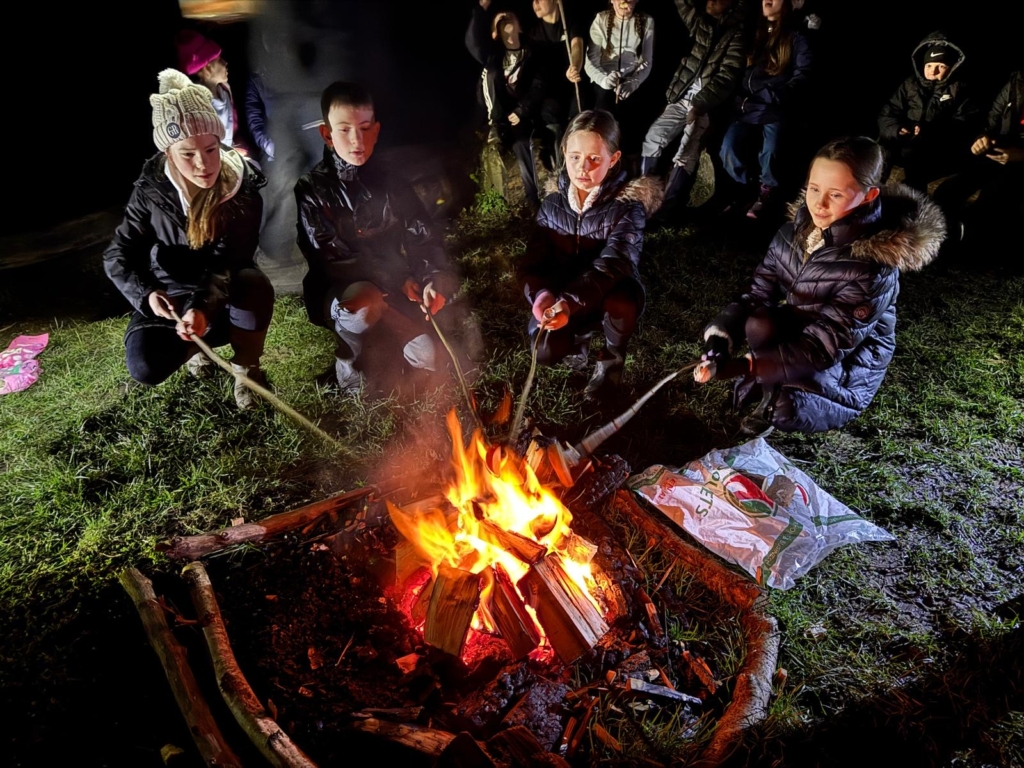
(568,49)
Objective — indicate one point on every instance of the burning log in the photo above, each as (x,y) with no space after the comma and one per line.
(572,624)
(527,550)
(195,547)
(453,601)
(576,548)
(408,561)
(515,625)
(265,733)
(201,724)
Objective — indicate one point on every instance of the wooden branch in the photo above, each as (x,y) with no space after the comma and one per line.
(266,734)
(453,601)
(429,741)
(174,659)
(195,547)
(570,621)
(527,550)
(737,590)
(515,625)
(633,685)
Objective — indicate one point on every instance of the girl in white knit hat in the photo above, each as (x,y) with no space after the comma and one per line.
(187,246)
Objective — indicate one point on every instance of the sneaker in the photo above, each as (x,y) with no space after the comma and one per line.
(245,398)
(200,366)
(763,198)
(349,379)
(607,376)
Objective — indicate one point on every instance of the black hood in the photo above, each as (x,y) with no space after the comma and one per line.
(935,39)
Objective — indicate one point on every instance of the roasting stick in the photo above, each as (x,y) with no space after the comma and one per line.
(263,392)
(517,422)
(458,368)
(590,443)
(568,49)
(622,23)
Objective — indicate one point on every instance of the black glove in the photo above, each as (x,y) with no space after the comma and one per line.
(715,348)
(732,369)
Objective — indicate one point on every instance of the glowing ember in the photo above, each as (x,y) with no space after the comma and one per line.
(498,523)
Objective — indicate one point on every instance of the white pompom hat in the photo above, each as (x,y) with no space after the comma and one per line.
(182,109)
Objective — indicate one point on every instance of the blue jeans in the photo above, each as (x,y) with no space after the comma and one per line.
(737,138)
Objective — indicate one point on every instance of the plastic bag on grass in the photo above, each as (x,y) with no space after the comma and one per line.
(752,507)
(18,367)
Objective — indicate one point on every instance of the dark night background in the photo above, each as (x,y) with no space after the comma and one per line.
(86,132)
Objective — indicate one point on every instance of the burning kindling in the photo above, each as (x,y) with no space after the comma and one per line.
(501,558)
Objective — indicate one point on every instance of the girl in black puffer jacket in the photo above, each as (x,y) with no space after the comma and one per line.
(820,315)
(187,244)
(580,267)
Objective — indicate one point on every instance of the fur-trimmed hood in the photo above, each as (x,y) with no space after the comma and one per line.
(647,191)
(902,228)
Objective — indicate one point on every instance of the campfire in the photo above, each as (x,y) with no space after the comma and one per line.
(496,555)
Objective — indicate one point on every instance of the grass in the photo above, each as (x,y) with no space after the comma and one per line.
(918,639)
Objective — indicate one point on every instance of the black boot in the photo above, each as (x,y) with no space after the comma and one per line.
(759,422)
(578,360)
(607,376)
(677,195)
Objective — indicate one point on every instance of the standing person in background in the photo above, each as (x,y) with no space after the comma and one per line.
(202,59)
(511,88)
(560,71)
(619,58)
(706,78)
(187,244)
(258,108)
(777,70)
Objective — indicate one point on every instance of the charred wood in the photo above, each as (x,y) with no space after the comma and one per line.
(527,550)
(428,741)
(174,659)
(195,547)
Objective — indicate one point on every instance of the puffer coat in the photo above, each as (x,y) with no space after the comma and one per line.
(1006,117)
(363,224)
(939,105)
(717,56)
(581,257)
(765,98)
(843,301)
(150,249)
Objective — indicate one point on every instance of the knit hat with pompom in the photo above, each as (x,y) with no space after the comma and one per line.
(182,109)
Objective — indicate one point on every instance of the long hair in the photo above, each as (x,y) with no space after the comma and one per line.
(206,214)
(773,43)
(863,156)
(596,121)
(639,24)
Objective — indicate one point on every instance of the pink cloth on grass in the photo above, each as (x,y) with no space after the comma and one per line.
(18,367)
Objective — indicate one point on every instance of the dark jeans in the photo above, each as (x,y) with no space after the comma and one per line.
(154,351)
(617,318)
(735,143)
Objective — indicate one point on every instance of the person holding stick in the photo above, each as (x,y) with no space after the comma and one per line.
(819,318)
(558,39)
(187,244)
(620,55)
(580,270)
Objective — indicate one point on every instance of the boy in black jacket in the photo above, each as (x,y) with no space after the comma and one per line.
(927,124)
(374,264)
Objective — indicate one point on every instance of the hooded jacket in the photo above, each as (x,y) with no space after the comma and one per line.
(843,298)
(717,56)
(581,257)
(938,106)
(358,223)
(150,249)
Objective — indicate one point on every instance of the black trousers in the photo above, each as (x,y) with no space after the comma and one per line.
(617,318)
(154,351)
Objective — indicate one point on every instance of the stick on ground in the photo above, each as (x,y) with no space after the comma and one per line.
(209,740)
(265,733)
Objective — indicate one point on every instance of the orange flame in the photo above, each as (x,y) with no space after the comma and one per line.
(491,487)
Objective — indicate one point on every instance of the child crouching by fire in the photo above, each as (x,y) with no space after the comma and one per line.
(580,271)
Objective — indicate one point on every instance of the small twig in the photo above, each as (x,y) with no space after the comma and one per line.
(345,650)
(665,576)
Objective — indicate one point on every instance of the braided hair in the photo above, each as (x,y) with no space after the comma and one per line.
(639,21)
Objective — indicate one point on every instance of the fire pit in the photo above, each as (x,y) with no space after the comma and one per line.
(487,624)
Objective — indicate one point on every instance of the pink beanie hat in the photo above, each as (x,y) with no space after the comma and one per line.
(195,51)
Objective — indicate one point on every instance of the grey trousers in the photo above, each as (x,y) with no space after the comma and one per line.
(667,128)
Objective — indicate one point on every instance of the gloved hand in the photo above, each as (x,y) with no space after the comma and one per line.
(715,348)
